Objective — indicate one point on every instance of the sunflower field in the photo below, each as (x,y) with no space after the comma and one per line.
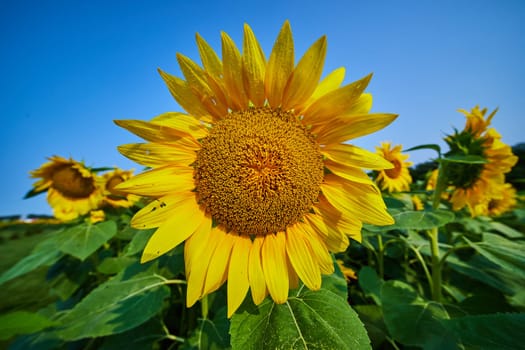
(257,224)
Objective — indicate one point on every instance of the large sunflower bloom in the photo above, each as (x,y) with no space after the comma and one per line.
(396,179)
(256,178)
(72,189)
(475,184)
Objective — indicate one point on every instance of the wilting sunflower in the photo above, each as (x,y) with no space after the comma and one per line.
(256,178)
(396,179)
(477,183)
(114,197)
(72,189)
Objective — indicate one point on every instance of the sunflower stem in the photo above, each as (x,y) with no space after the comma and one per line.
(204,307)
(380,256)
(436,265)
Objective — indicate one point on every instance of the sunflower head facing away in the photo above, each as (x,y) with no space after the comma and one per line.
(72,189)
(398,178)
(477,184)
(257,178)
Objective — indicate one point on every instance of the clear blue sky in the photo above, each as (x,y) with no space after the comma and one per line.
(68,68)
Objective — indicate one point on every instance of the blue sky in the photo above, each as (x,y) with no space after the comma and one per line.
(68,68)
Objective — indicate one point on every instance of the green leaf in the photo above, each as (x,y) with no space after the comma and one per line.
(310,320)
(464,158)
(370,283)
(210,334)
(22,322)
(421,220)
(45,253)
(138,242)
(506,230)
(372,317)
(412,320)
(503,252)
(435,147)
(493,331)
(115,306)
(113,265)
(83,240)
(336,282)
(142,337)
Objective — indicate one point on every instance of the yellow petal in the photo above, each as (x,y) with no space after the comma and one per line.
(159,210)
(195,244)
(211,62)
(355,156)
(274,266)
(197,80)
(335,240)
(218,269)
(232,66)
(292,275)
(183,94)
(185,124)
(330,83)
(361,201)
(336,102)
(238,284)
(337,219)
(319,249)
(348,127)
(156,154)
(254,65)
(183,221)
(305,76)
(200,264)
(153,132)
(255,272)
(302,258)
(160,181)
(280,66)
(348,172)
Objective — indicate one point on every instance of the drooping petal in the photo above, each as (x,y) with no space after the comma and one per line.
(195,244)
(255,272)
(360,201)
(319,249)
(238,283)
(218,269)
(280,66)
(348,127)
(154,132)
(159,210)
(301,256)
(160,181)
(337,219)
(355,156)
(156,154)
(183,221)
(200,263)
(335,240)
(336,102)
(183,123)
(254,66)
(305,76)
(274,266)
(232,66)
(182,93)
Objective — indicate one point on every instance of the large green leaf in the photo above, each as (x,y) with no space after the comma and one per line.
(370,283)
(422,219)
(412,320)
(493,331)
(22,322)
(84,239)
(310,320)
(210,334)
(45,253)
(115,306)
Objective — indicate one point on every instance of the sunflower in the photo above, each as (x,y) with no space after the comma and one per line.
(72,189)
(396,179)
(477,183)
(255,178)
(114,197)
(505,201)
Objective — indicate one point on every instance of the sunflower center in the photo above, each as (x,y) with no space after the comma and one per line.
(258,171)
(395,172)
(70,182)
(112,183)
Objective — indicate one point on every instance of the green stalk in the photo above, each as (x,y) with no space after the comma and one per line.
(204,307)
(380,257)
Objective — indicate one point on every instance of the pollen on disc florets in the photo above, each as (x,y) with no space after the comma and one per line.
(258,171)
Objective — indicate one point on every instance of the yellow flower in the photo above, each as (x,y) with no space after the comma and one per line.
(256,179)
(72,189)
(97,216)
(476,184)
(348,272)
(114,197)
(398,178)
(505,201)
(417,203)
